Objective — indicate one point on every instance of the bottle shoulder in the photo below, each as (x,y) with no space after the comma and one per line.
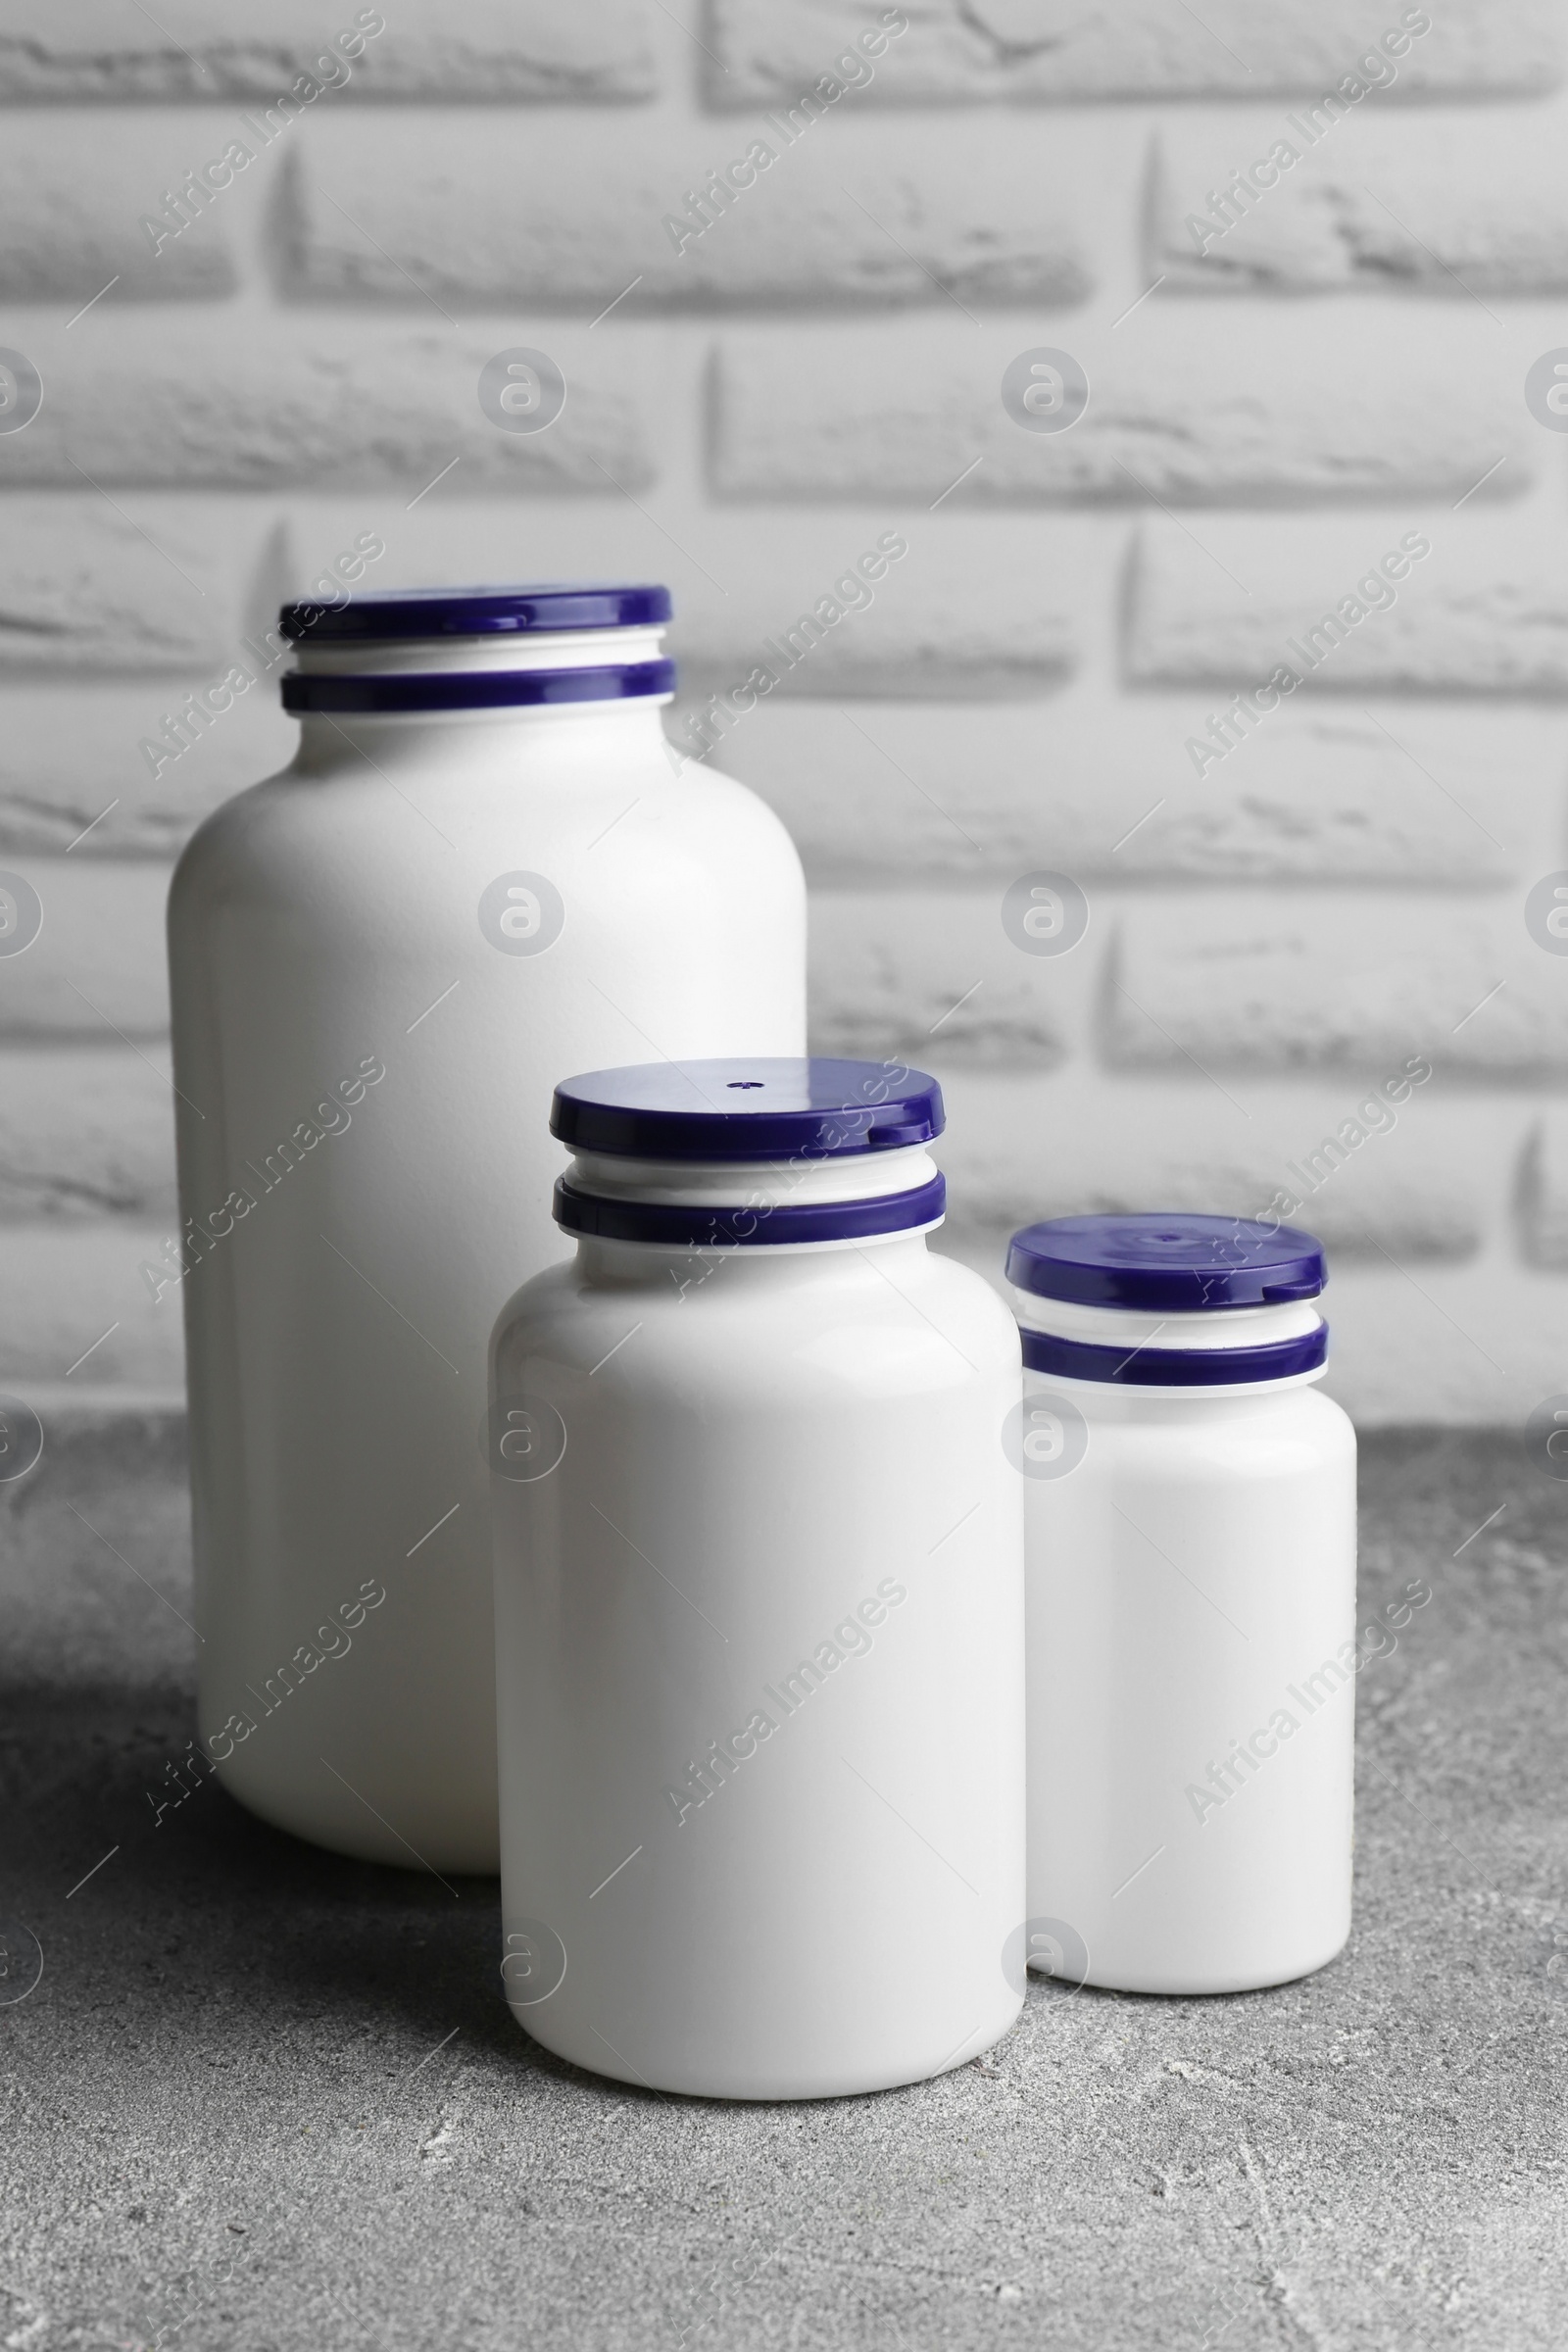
(1208,1434)
(612,820)
(897,1313)
(544,1298)
(1331,1416)
(703,804)
(226,838)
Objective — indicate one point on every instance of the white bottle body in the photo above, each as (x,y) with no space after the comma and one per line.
(783,1512)
(1191,1605)
(337,1325)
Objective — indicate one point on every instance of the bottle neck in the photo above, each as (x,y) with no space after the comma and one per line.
(770,1184)
(524,694)
(432,657)
(570,737)
(1224,1351)
(1119,1326)
(841,1201)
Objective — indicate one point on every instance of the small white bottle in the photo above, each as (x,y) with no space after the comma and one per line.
(1191,1653)
(484,868)
(758,1596)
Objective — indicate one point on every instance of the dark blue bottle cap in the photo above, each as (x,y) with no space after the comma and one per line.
(1121,1366)
(481,611)
(758,1109)
(1176,1264)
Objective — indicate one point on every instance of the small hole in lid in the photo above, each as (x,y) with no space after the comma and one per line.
(745,1083)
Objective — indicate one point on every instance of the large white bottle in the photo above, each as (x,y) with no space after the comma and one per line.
(485,868)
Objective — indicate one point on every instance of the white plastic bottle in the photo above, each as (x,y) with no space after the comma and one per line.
(484,868)
(1191,1650)
(758,1596)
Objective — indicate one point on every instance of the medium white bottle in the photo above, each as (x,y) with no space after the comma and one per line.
(484,868)
(1191,1649)
(758,1596)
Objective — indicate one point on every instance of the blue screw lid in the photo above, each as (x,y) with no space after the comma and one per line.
(482,612)
(764,1109)
(1174,1264)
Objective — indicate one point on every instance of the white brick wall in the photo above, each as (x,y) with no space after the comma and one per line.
(96,964)
(231,404)
(206,49)
(1291,415)
(73,201)
(567,214)
(1368,207)
(1484,611)
(1337,984)
(1289,374)
(91,586)
(959,51)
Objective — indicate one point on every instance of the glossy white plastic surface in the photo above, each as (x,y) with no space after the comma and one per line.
(364,1079)
(1191,1666)
(759,1630)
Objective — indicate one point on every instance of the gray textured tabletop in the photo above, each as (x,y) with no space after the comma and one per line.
(264,2098)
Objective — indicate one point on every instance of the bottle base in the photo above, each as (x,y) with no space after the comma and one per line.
(474,1854)
(769,2080)
(1200,1983)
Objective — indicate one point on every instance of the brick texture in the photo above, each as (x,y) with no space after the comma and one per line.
(550,220)
(492,49)
(237,407)
(90,1135)
(89,586)
(1416,1185)
(1545,1194)
(1293,417)
(96,967)
(933,978)
(1359,986)
(1367,209)
(1219,613)
(74,213)
(67,1287)
(57,781)
(961,51)
(884,796)
(929,627)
